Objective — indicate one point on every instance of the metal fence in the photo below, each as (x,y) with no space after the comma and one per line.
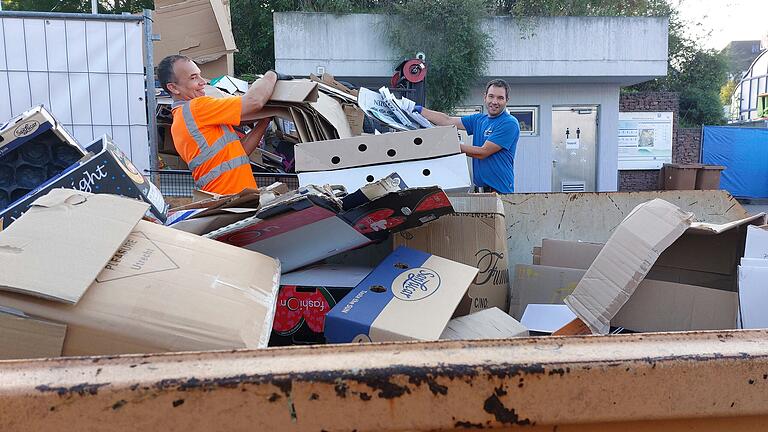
(179,183)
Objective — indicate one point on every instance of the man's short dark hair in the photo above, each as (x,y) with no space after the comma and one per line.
(498,83)
(165,70)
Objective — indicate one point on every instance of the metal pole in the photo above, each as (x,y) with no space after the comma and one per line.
(149,68)
(95,7)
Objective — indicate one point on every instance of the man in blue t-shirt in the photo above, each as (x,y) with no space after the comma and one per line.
(494,138)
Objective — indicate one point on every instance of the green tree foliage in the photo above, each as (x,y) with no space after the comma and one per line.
(726,91)
(448,31)
(77,6)
(697,74)
(450,34)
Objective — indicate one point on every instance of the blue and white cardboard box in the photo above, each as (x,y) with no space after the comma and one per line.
(410,295)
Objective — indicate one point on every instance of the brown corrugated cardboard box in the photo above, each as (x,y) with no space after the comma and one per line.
(162,290)
(651,235)
(563,253)
(476,235)
(23,337)
(295,91)
(199,29)
(654,305)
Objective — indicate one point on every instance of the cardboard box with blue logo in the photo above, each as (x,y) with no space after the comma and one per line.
(411,295)
(306,296)
(34,148)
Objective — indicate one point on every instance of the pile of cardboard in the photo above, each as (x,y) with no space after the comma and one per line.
(38,155)
(94,263)
(82,274)
(303,110)
(105,254)
(659,271)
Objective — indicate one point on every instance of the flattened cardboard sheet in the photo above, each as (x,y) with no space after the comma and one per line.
(546,318)
(56,249)
(753,297)
(625,260)
(492,323)
(296,91)
(331,110)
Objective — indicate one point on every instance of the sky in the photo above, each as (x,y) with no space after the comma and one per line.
(729,20)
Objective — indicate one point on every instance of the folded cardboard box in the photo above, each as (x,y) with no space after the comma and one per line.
(410,295)
(652,236)
(295,91)
(106,171)
(122,285)
(38,126)
(306,296)
(447,172)
(377,149)
(475,234)
(491,323)
(309,225)
(198,29)
(25,337)
(34,148)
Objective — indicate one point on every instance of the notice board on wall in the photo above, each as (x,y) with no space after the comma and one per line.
(645,140)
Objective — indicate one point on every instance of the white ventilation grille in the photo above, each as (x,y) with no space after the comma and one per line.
(572,186)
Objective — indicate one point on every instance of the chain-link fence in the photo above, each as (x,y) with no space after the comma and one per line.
(179,183)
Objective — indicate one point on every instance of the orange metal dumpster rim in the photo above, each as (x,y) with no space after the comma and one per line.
(407,385)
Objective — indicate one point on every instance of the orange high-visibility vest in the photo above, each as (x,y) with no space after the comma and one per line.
(203,136)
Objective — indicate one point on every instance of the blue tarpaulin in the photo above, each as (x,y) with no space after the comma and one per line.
(744,153)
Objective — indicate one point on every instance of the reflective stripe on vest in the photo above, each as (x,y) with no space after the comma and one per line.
(221,169)
(208,152)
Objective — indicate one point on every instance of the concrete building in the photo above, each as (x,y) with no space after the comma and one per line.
(565,81)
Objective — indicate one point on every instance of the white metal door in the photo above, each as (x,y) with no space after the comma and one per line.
(574,148)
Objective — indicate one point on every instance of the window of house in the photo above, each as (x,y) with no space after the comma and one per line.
(528,117)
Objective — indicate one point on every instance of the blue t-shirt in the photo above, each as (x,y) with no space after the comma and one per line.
(497,170)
